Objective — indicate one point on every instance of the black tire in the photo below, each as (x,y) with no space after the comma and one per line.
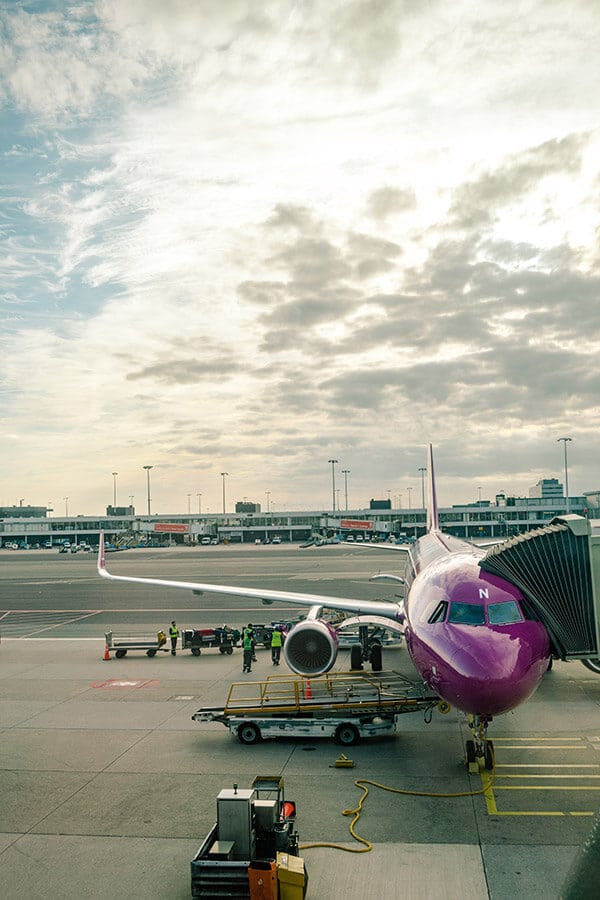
(195,651)
(151,652)
(229,650)
(120,653)
(592,664)
(376,658)
(347,734)
(222,650)
(356,657)
(550,661)
(489,756)
(249,733)
(471,757)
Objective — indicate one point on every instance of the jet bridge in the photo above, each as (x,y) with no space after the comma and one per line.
(558,569)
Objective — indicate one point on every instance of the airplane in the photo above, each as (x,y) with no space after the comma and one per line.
(470,634)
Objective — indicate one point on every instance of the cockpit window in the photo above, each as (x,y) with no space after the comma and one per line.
(466,614)
(439,613)
(504,613)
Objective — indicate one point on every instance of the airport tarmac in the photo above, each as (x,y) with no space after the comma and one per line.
(108,787)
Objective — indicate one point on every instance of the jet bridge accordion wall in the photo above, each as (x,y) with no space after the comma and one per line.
(558,569)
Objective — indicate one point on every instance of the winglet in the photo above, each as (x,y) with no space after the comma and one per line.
(433,523)
(101,558)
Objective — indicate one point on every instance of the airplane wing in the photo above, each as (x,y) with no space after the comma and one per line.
(375,607)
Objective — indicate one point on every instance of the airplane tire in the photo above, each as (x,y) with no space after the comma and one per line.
(490,759)
(346,734)
(120,653)
(356,657)
(470,752)
(249,733)
(592,664)
(376,658)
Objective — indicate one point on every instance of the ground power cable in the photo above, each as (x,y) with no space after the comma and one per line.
(356,812)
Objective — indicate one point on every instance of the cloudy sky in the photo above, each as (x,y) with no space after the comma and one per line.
(254,236)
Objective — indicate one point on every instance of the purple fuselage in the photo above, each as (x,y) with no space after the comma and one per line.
(485,666)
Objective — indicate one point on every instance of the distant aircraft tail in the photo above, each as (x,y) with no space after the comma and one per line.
(101,558)
(433,523)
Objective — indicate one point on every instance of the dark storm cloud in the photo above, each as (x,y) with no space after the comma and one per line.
(476,202)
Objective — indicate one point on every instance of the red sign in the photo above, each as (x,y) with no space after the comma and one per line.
(356,523)
(176,529)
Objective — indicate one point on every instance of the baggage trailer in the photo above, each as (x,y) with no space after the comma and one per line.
(198,639)
(120,646)
(345,706)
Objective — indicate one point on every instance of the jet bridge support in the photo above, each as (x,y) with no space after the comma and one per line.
(558,569)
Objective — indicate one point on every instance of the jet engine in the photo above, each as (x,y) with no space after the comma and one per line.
(311,647)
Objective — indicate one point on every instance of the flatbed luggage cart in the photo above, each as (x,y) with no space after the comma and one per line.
(345,706)
(120,646)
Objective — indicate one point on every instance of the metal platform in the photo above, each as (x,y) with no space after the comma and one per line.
(342,692)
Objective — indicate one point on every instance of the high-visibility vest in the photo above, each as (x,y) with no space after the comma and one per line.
(173,631)
(276,639)
(247,641)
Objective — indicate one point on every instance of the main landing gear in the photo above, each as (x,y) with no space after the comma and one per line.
(480,750)
(368,650)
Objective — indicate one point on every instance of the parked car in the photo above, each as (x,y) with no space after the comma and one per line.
(205,541)
(276,540)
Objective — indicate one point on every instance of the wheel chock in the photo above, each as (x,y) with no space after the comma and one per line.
(342,762)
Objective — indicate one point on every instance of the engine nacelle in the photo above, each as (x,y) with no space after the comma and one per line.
(311,647)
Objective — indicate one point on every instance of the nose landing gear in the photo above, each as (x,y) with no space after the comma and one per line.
(480,750)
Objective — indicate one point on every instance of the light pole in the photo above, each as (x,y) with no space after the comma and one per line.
(333,462)
(147,468)
(114,475)
(66,499)
(199,496)
(223,474)
(479,494)
(189,496)
(409,492)
(268,493)
(131,501)
(422,470)
(565,439)
(345,473)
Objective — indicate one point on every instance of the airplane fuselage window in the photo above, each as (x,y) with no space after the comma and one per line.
(466,614)
(504,613)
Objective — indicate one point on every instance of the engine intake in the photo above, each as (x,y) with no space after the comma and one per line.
(311,648)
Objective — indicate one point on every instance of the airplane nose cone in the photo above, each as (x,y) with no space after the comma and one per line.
(491,676)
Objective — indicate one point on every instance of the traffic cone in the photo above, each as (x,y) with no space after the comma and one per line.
(106,653)
(308,694)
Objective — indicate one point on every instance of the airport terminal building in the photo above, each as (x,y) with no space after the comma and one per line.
(31,526)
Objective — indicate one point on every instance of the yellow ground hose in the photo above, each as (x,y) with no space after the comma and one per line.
(362,784)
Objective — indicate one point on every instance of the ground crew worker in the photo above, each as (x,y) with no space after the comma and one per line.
(173,634)
(276,643)
(247,647)
(250,630)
